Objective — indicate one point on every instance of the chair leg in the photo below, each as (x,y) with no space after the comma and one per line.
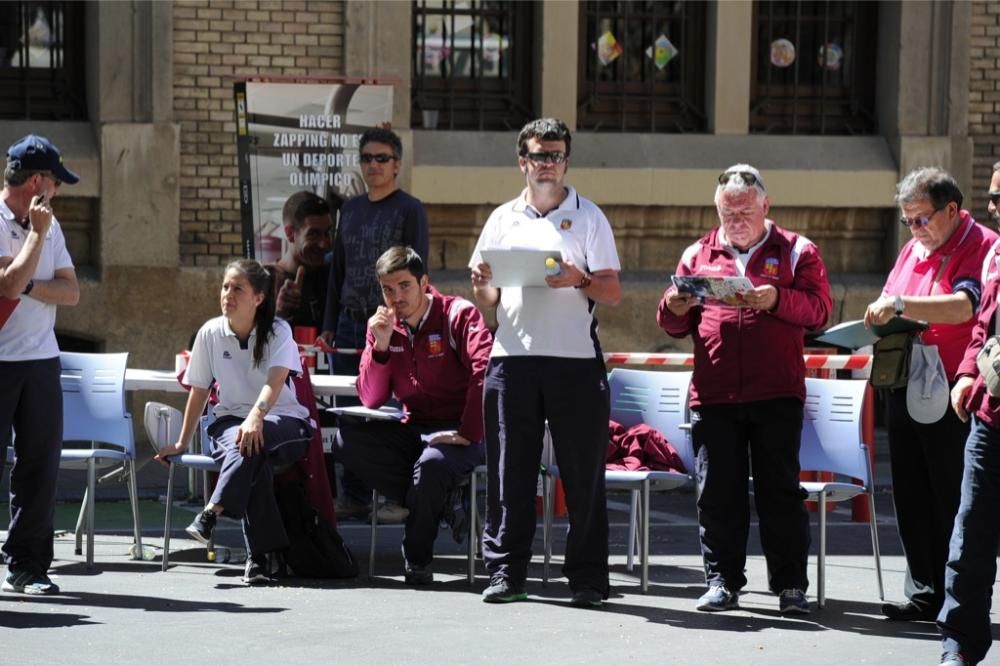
(875,547)
(645,535)
(81,523)
(371,545)
(166,519)
(473,532)
(91,489)
(133,493)
(632,532)
(547,516)
(821,560)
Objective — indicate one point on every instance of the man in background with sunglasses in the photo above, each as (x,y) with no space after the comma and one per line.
(36,270)
(370,224)
(748,389)
(546,366)
(937,279)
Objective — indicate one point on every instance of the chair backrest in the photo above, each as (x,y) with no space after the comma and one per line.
(831,429)
(657,398)
(163,424)
(93,388)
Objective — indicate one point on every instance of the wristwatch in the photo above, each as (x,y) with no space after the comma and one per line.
(898,305)
(585,281)
(28,287)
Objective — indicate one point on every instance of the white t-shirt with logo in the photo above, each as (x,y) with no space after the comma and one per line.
(217,355)
(29,334)
(541,321)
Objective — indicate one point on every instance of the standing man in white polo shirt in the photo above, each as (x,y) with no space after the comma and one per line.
(36,269)
(547,365)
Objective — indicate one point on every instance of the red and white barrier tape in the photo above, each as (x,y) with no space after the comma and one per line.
(812,361)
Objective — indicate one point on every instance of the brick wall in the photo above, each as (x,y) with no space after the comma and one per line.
(984,101)
(214,42)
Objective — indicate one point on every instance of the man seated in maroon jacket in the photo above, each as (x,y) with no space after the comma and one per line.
(430,351)
(748,388)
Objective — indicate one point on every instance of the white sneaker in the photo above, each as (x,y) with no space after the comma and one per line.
(391,513)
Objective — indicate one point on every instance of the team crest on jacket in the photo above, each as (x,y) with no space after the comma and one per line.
(771,267)
(566,225)
(434,346)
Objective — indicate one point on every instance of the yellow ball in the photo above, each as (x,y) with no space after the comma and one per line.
(550,262)
(211,556)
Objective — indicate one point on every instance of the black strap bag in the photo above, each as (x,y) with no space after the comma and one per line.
(315,549)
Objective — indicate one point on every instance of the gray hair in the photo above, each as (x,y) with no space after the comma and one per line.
(932,184)
(739,182)
(16,177)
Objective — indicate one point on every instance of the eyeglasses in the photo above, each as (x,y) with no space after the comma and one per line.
(920,221)
(553,157)
(381,158)
(749,178)
(995,198)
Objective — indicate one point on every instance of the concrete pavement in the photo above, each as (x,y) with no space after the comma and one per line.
(130,611)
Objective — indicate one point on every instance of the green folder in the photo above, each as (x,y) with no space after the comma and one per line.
(854,334)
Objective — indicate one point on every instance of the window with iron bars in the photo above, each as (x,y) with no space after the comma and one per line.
(42,61)
(472,64)
(642,66)
(814,67)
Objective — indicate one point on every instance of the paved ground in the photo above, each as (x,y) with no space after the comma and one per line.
(130,611)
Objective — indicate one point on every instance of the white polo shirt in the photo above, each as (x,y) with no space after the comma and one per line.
(29,334)
(540,321)
(217,355)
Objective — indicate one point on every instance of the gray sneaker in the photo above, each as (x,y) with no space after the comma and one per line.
(26,582)
(502,591)
(718,598)
(793,601)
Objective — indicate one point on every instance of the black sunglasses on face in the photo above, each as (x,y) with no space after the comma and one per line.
(554,156)
(995,198)
(750,179)
(381,158)
(920,220)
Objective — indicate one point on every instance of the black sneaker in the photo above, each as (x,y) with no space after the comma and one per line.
(415,574)
(587,597)
(793,601)
(502,591)
(258,571)
(26,582)
(908,612)
(201,527)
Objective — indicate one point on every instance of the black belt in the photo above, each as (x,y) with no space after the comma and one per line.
(360,315)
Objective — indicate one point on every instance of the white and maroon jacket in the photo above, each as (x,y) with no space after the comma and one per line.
(439,375)
(744,355)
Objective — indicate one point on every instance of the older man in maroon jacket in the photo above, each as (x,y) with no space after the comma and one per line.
(430,351)
(748,388)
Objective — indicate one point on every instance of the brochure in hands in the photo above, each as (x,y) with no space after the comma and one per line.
(715,290)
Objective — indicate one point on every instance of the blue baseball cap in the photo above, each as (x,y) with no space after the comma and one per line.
(36,153)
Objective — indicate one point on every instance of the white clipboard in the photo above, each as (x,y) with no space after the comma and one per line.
(519,268)
(362,412)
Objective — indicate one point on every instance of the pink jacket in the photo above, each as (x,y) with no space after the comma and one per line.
(979,402)
(439,375)
(744,355)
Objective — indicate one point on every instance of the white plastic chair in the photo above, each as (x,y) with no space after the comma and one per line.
(831,442)
(659,400)
(93,388)
(472,538)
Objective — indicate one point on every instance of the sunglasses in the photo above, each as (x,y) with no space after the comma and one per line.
(381,158)
(995,198)
(749,178)
(920,221)
(553,157)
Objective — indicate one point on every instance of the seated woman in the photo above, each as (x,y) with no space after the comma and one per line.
(259,423)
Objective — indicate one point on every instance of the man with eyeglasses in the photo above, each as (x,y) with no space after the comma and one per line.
(936,279)
(370,224)
(547,366)
(303,274)
(971,571)
(748,389)
(37,272)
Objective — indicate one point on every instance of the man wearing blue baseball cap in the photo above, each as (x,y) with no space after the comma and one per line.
(35,271)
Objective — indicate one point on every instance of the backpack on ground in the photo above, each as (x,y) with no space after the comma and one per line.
(315,549)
